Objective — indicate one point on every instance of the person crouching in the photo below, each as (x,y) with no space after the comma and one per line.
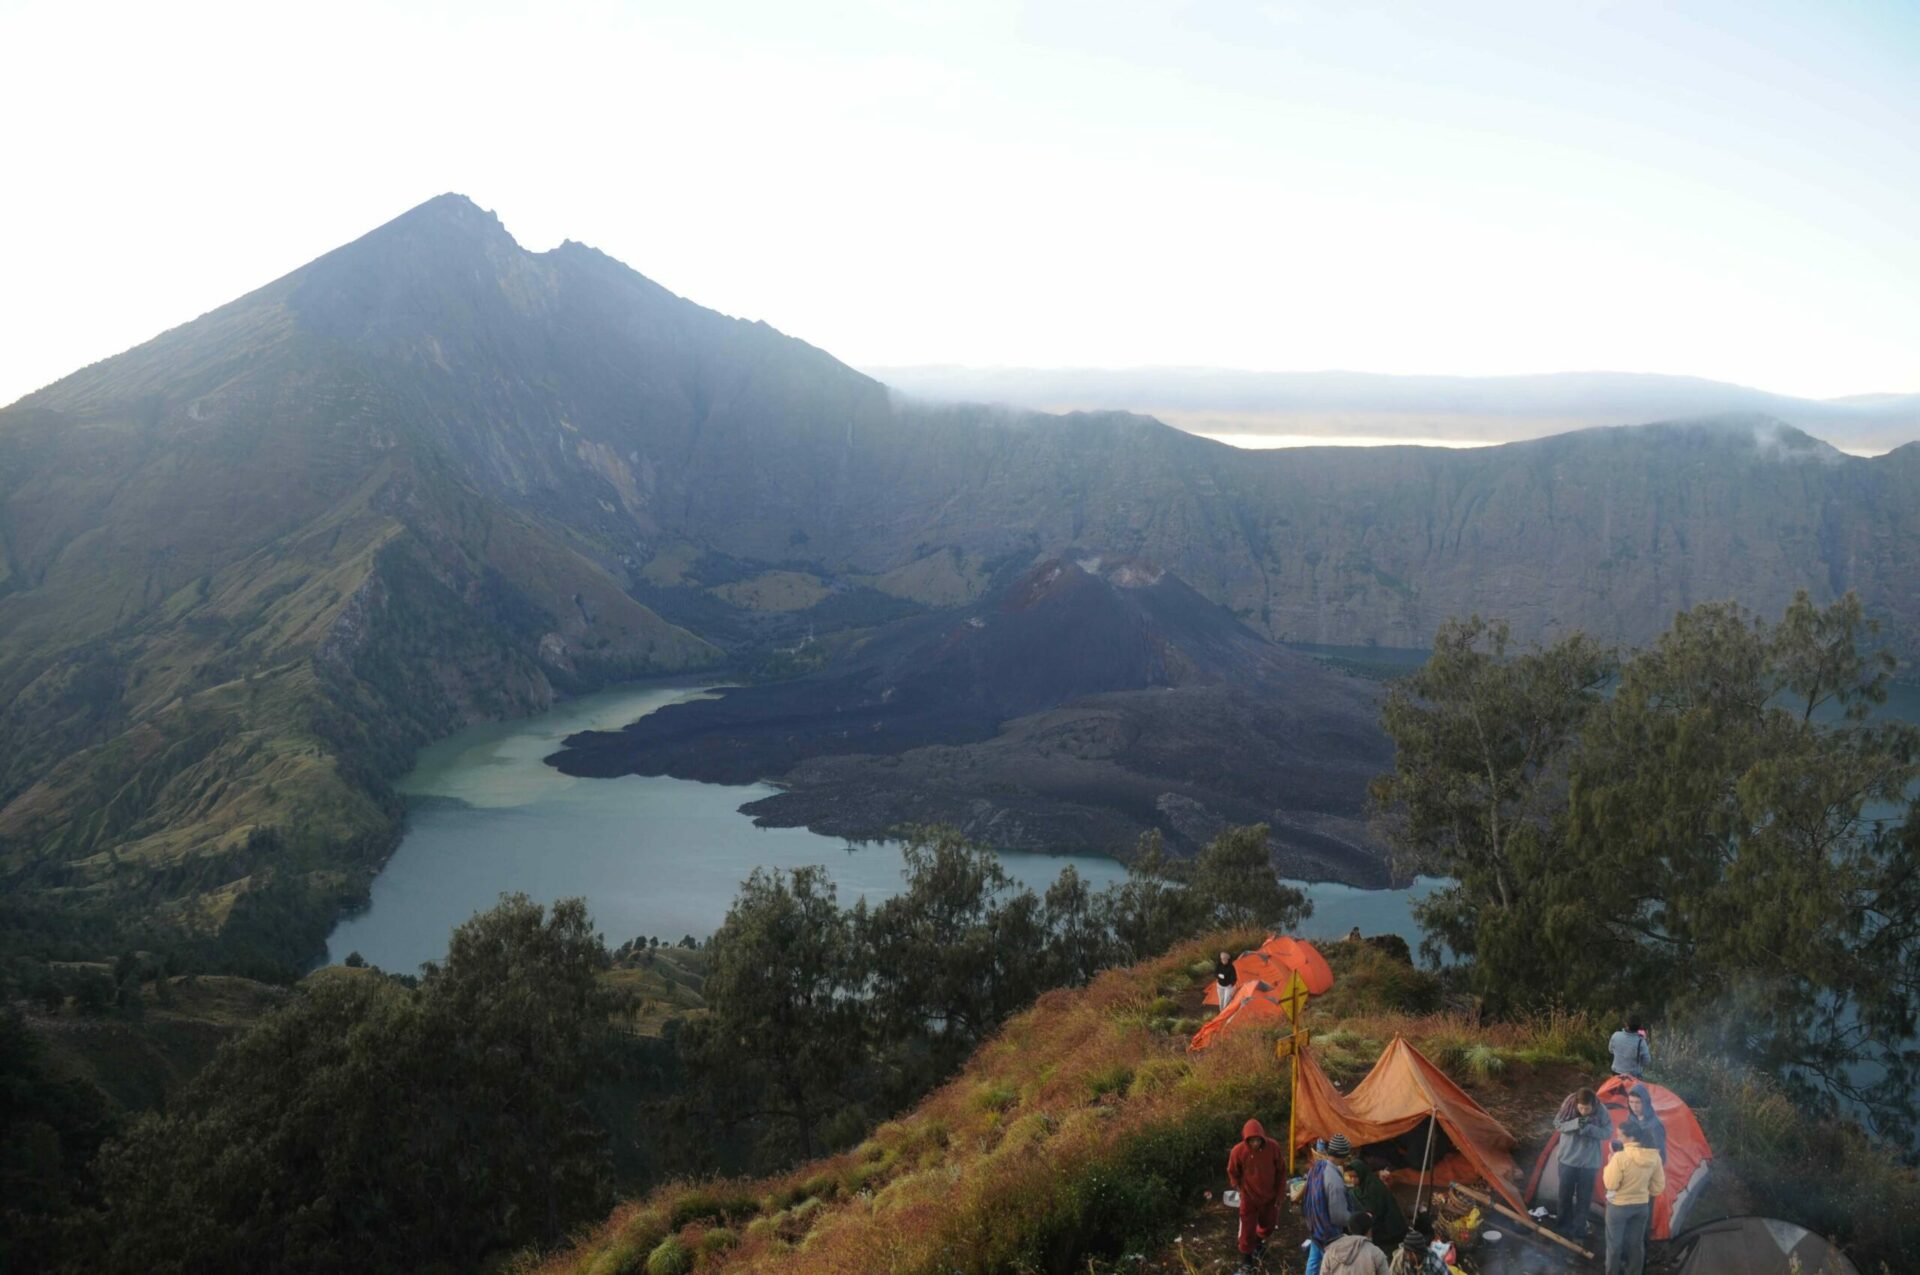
(1256,1171)
(1355,1252)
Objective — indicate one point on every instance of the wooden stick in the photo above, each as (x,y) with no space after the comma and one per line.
(1521,1218)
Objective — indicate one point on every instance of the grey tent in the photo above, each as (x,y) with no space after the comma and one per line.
(1758,1246)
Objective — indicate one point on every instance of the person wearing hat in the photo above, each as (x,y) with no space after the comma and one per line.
(1258,1172)
(1415,1256)
(1325,1205)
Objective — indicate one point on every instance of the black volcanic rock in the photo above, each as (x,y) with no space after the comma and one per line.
(1064,630)
(1087,701)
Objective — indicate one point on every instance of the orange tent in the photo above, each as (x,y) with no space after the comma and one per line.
(1689,1158)
(1254,1002)
(1275,961)
(1388,1112)
(1298,954)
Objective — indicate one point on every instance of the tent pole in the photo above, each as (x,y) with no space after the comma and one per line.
(1293,1108)
(1426,1159)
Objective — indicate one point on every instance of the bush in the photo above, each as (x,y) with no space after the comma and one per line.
(1112,1079)
(711,1204)
(995,1097)
(1370,981)
(718,1240)
(671,1257)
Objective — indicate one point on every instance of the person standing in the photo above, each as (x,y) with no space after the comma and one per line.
(1374,1196)
(1584,1131)
(1631,1054)
(1325,1204)
(1257,1172)
(1640,1107)
(1634,1179)
(1225,976)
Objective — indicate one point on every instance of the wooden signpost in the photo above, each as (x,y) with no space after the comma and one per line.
(1294,998)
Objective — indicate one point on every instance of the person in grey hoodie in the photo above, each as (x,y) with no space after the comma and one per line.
(1584,1133)
(1355,1253)
(1631,1056)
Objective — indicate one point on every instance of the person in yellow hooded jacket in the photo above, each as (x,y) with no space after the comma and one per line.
(1634,1178)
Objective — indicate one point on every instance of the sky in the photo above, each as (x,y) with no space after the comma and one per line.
(1726,190)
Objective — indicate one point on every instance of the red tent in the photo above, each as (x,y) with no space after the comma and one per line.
(1689,1157)
(1255,1002)
(1387,1114)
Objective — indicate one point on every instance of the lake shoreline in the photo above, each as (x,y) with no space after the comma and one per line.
(651,855)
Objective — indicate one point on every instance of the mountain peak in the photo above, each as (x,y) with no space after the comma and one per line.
(443,215)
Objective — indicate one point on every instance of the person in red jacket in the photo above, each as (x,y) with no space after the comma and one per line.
(1258,1171)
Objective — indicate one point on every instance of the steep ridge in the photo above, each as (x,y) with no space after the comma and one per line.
(432,477)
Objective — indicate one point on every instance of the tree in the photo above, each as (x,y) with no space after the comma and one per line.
(957,950)
(1236,887)
(1080,941)
(1153,908)
(370,1126)
(1727,840)
(1759,838)
(1478,795)
(785,1035)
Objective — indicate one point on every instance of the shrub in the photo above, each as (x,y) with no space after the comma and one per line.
(1111,1079)
(670,1257)
(718,1240)
(643,1233)
(995,1097)
(1370,981)
(711,1204)
(1155,1075)
(1484,1062)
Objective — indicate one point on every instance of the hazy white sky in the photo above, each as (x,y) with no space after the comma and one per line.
(1724,189)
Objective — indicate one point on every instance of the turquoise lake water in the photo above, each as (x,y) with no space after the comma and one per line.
(652,856)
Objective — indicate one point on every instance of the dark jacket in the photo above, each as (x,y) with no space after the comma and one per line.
(1224,973)
(1373,1195)
(1656,1131)
(1256,1171)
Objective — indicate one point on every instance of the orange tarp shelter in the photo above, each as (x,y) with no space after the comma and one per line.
(1253,1002)
(1398,1096)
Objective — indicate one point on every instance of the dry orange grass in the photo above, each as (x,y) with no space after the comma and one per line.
(1078,1118)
